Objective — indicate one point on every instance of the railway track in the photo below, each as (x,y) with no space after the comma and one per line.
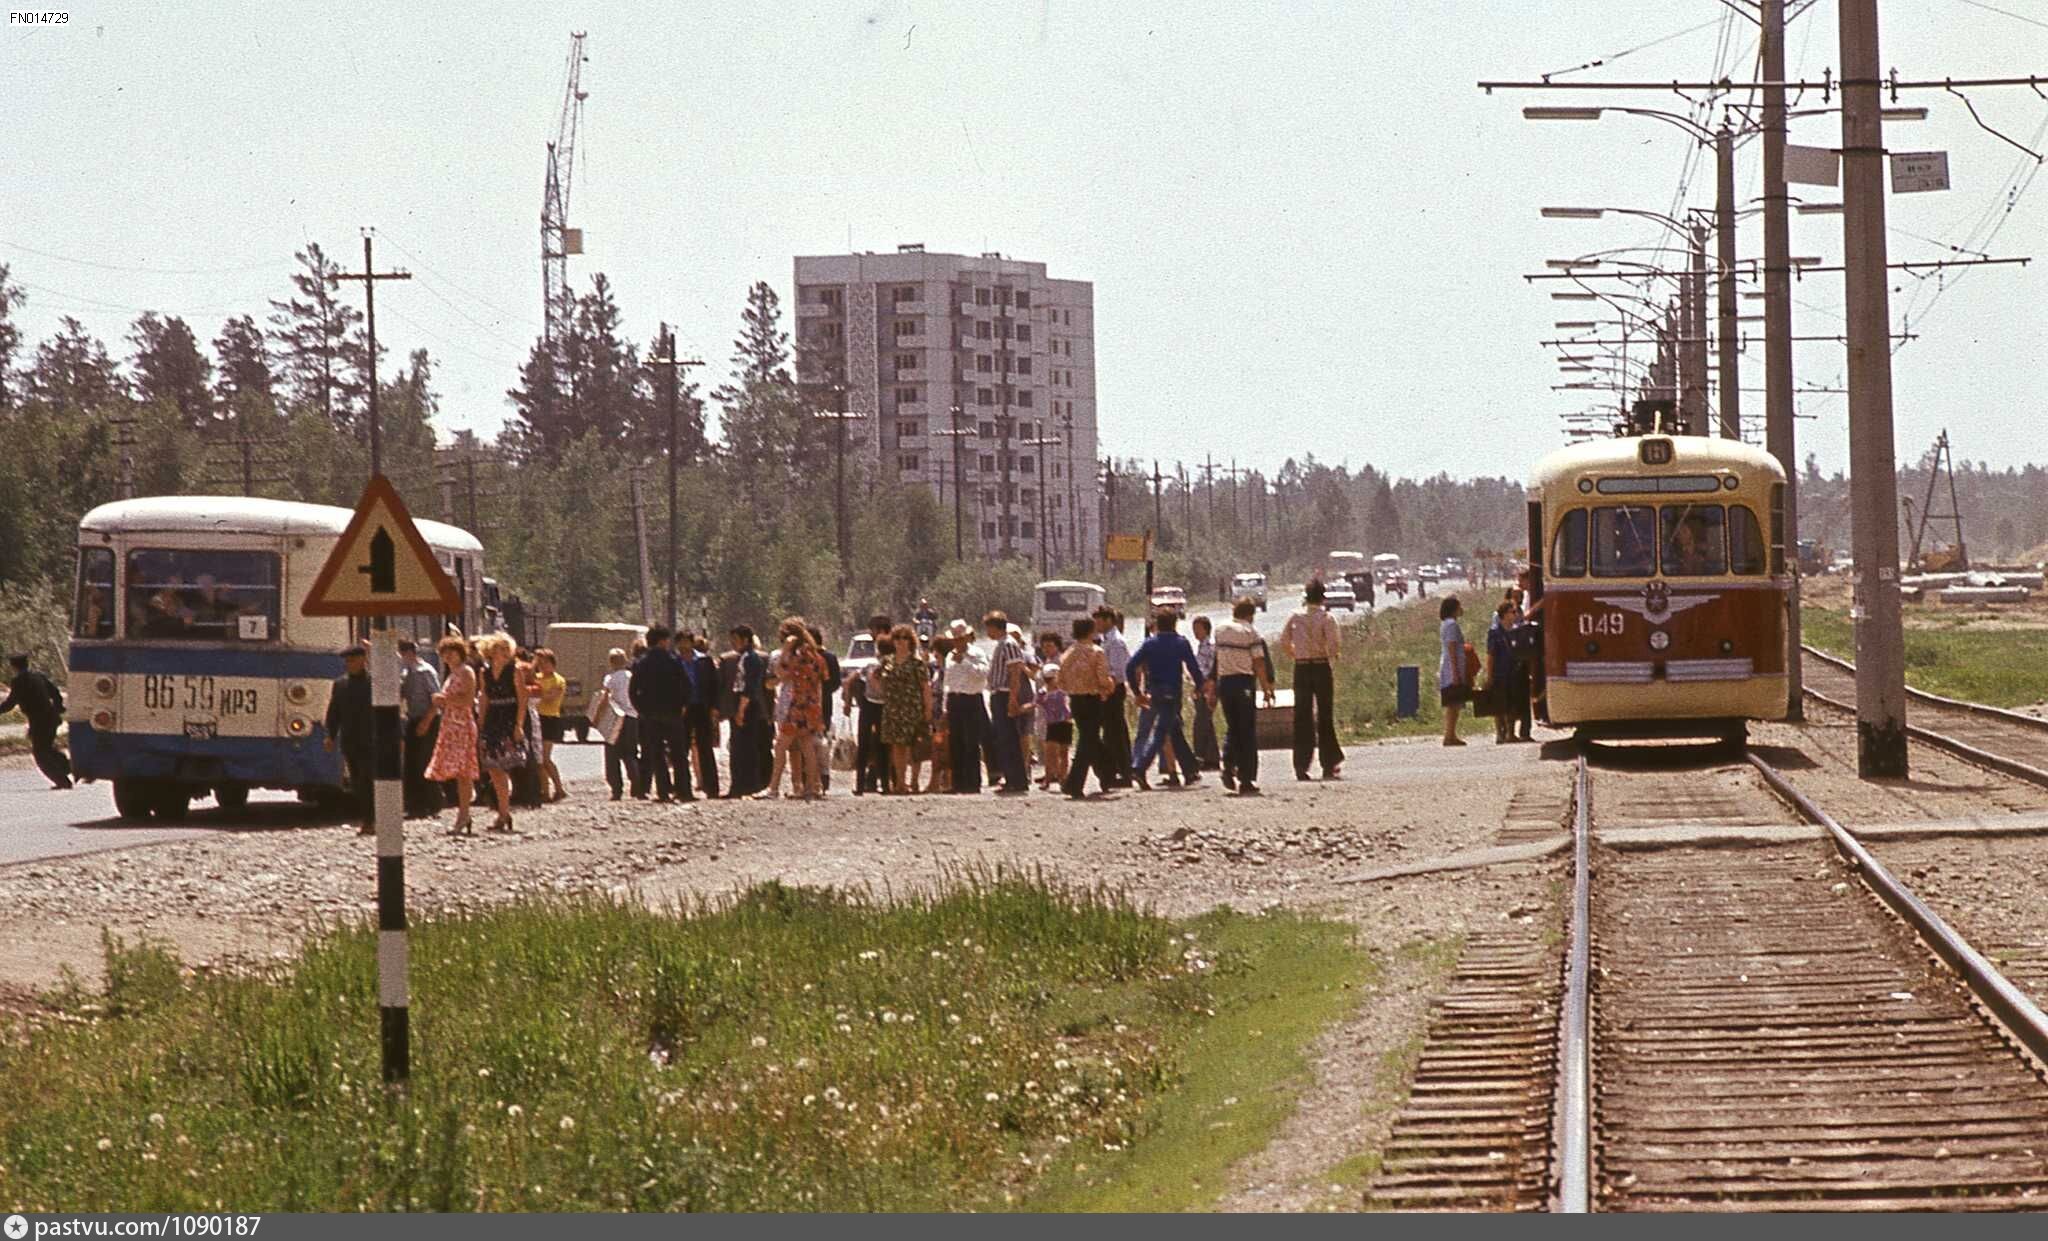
(2005,741)
(1765,1027)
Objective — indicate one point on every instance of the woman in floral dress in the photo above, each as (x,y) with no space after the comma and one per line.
(906,706)
(803,671)
(455,749)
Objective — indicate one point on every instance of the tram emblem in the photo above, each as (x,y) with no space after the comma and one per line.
(1656,603)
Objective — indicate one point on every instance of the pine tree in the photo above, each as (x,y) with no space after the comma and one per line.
(243,372)
(1385,519)
(321,351)
(72,374)
(169,368)
(589,379)
(761,354)
(11,299)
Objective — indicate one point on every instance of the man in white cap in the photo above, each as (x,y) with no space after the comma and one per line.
(964,679)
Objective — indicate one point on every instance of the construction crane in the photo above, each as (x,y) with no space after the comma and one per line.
(557,240)
(1955,558)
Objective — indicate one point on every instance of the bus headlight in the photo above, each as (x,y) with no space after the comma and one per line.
(103,720)
(299,726)
(297,693)
(103,686)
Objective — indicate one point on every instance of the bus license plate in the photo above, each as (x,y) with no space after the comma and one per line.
(202,730)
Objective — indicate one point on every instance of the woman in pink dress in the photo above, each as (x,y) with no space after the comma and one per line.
(455,751)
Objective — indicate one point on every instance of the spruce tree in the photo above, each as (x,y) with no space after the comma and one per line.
(242,371)
(170,369)
(321,351)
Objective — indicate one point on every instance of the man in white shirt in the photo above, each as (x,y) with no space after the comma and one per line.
(1242,669)
(622,753)
(964,680)
(1311,638)
(1116,729)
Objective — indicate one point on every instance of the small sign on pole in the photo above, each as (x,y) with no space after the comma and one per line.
(1127,547)
(1812,165)
(1917,172)
(382,567)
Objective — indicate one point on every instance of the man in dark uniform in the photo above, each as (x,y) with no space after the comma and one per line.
(348,723)
(660,690)
(871,757)
(42,704)
(753,715)
(700,719)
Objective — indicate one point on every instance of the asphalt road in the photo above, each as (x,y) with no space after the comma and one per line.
(37,821)
(1283,602)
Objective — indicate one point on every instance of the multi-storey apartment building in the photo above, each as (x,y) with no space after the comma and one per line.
(926,344)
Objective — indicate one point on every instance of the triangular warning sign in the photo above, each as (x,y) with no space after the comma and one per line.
(381,566)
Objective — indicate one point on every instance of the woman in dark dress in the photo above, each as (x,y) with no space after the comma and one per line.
(501,736)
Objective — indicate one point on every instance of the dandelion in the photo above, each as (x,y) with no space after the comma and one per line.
(909,1017)
(483,1072)
(1062,1063)
(760,1040)
(831,1094)
(974,1040)
(952,1019)
(156,1119)
(803,1062)
(888,1019)
(869,955)
(568,1124)
(992,1097)
(1031,1087)
(515,1111)
(106,1144)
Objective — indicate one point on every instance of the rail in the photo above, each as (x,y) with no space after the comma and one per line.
(1942,741)
(1976,708)
(2007,1002)
(1574,1052)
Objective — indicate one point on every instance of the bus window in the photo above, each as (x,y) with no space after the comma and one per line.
(203,595)
(1745,542)
(95,614)
(1694,545)
(1777,529)
(1624,540)
(1568,557)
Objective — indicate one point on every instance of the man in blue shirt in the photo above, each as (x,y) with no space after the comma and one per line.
(1155,673)
(660,689)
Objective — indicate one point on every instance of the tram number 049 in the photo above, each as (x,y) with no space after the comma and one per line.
(170,693)
(1602,624)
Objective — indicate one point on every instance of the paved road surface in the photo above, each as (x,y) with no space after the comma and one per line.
(1282,603)
(39,822)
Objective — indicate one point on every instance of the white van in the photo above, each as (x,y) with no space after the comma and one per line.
(1054,605)
(1250,586)
(580,648)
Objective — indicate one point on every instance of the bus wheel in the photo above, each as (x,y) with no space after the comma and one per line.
(172,801)
(231,796)
(133,799)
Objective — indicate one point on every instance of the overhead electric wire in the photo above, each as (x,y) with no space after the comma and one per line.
(145,271)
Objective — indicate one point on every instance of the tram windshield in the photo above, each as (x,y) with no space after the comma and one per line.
(1693,543)
(1631,540)
(1624,540)
(202,595)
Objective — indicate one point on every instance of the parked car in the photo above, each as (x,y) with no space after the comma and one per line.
(1430,573)
(1250,586)
(580,656)
(1338,594)
(1172,597)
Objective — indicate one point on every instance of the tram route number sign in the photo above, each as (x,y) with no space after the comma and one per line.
(1916,172)
(381,566)
(1127,547)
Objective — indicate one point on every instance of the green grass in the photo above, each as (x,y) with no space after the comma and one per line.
(1373,649)
(1999,667)
(789,1049)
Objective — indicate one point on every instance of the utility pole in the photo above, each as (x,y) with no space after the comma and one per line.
(1075,546)
(1041,443)
(839,418)
(1158,512)
(1780,435)
(674,366)
(1109,504)
(1873,467)
(370,276)
(956,434)
(1693,336)
(1724,228)
(1209,487)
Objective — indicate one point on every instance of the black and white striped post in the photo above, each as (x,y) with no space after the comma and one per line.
(393,953)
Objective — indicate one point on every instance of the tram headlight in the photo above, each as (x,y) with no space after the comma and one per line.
(299,726)
(103,720)
(1592,648)
(297,693)
(1659,639)
(1585,486)
(103,686)
(1727,647)
(1731,482)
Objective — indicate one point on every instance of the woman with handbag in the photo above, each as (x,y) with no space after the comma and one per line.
(1454,667)
(1502,670)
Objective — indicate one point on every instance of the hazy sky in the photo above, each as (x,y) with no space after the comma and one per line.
(1305,225)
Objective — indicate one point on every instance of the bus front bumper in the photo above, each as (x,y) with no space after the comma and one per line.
(260,762)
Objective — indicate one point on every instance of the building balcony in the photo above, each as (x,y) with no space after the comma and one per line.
(815,310)
(917,307)
(915,375)
(917,340)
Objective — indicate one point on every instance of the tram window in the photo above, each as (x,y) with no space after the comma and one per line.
(1745,542)
(1624,540)
(95,614)
(1694,543)
(203,595)
(1568,555)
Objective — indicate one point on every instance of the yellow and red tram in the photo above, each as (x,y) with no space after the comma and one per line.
(1660,567)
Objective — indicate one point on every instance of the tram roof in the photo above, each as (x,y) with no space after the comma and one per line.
(246,515)
(1690,454)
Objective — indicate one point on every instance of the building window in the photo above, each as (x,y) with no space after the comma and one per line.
(1023,331)
(983,329)
(828,332)
(907,462)
(1055,469)
(1024,397)
(1024,366)
(831,297)
(904,327)
(906,396)
(906,361)
(981,297)
(985,396)
(983,362)
(1024,467)
(1023,298)
(1027,530)
(988,495)
(988,430)
(908,427)
(1009,526)
(1002,295)
(988,463)
(1067,318)
(903,293)
(1006,329)
(1009,364)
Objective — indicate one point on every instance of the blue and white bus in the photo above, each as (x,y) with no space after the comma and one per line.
(191,668)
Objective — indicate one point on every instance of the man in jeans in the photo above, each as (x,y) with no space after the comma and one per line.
(1241,670)
(1155,671)
(659,691)
(870,756)
(1008,674)
(1311,638)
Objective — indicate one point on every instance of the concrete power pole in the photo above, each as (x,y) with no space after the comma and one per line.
(370,276)
(1874,488)
(1693,336)
(1724,229)
(674,366)
(1780,434)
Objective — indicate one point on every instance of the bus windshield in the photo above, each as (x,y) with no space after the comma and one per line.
(202,595)
(1068,600)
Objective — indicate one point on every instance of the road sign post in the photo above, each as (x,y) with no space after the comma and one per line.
(381,567)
